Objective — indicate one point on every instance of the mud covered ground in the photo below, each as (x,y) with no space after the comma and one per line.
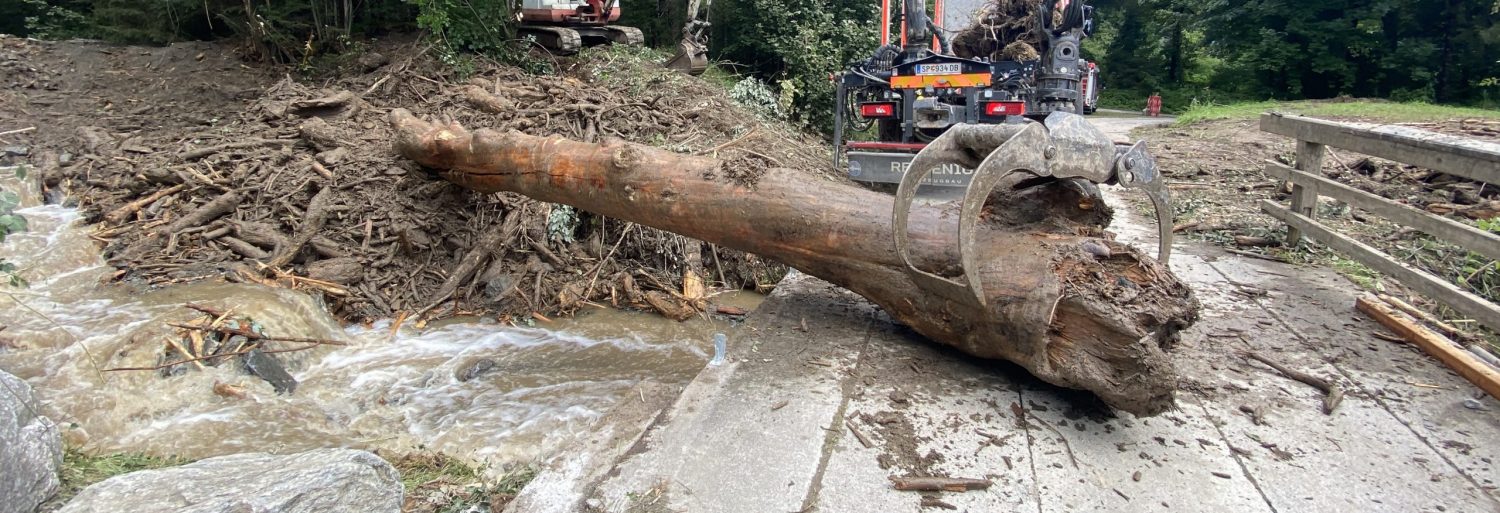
(197,165)
(1215,170)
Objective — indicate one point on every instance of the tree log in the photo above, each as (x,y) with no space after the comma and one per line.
(1071,314)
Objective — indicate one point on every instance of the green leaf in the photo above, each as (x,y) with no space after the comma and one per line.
(11,223)
(21,172)
(8,201)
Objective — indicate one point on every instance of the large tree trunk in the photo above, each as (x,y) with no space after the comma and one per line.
(1077,311)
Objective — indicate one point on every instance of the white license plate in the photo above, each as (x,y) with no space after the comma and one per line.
(945,68)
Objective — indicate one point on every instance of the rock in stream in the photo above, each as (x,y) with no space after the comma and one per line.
(30,448)
(318,481)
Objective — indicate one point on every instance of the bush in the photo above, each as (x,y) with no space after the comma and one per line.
(796,45)
(461,26)
(755,95)
(45,19)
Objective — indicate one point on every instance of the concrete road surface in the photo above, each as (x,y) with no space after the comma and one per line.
(825,398)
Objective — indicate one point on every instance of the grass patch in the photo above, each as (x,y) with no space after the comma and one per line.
(436,483)
(1358,273)
(1199,113)
(79,470)
(1390,112)
(1397,112)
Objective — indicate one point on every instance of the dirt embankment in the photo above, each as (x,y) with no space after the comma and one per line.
(198,166)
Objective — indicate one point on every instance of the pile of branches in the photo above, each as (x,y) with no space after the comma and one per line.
(1007,30)
(301,190)
(219,337)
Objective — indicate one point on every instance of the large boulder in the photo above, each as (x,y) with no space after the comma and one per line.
(30,448)
(319,481)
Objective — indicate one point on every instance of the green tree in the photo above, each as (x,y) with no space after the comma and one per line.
(797,44)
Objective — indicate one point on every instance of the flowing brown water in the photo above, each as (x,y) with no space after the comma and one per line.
(488,393)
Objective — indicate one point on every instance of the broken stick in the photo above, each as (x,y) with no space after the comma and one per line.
(938,484)
(1447,329)
(204,152)
(312,221)
(224,204)
(1333,394)
(120,214)
(1440,347)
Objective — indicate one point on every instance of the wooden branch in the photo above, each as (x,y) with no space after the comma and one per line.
(178,347)
(1440,347)
(1261,256)
(247,333)
(939,484)
(1333,394)
(205,309)
(858,435)
(204,152)
(120,214)
(1048,300)
(312,221)
(224,204)
(198,360)
(1447,329)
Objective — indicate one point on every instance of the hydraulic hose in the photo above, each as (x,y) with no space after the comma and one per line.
(941,36)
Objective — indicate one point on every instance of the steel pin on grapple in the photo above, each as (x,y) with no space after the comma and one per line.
(1064,146)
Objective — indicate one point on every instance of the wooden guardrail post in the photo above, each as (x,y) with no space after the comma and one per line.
(1305,195)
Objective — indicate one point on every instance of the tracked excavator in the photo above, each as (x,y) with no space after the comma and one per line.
(564,27)
(941,119)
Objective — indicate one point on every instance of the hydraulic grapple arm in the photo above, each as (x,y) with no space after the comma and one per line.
(1065,146)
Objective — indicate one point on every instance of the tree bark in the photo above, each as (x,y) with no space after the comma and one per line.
(1076,311)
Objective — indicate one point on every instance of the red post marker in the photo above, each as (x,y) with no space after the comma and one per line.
(1153,105)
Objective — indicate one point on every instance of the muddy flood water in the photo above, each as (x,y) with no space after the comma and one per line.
(484,392)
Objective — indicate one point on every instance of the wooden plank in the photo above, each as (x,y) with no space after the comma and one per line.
(1305,194)
(1463,301)
(1460,156)
(1440,347)
(1469,237)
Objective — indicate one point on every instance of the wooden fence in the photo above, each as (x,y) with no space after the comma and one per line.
(1448,154)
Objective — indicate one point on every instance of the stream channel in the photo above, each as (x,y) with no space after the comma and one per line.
(488,393)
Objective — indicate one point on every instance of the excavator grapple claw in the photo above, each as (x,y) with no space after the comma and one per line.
(1065,146)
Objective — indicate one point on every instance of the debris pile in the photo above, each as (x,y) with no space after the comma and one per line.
(294,184)
(1004,30)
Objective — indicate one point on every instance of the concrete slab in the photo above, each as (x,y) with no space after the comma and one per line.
(749,435)
(927,410)
(1089,460)
(922,409)
(1428,398)
(566,480)
(826,399)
